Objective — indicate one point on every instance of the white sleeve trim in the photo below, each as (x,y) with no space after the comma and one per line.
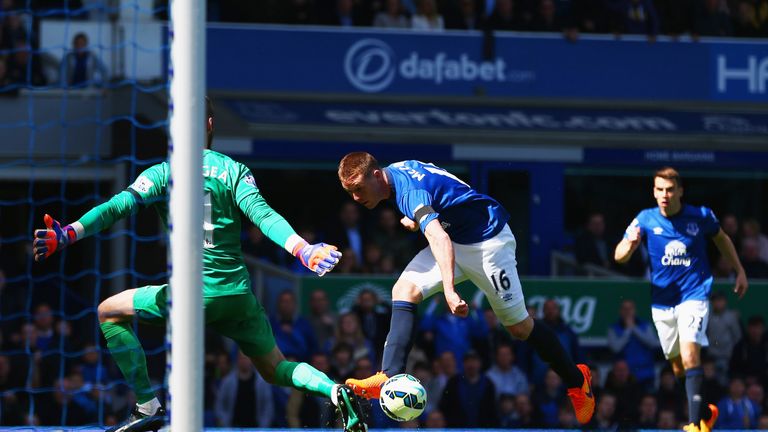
(292,241)
(79,229)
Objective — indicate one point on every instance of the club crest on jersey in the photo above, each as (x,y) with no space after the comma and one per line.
(142,184)
(692,228)
(675,254)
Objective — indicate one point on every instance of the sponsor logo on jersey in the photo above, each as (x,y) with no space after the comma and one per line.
(692,228)
(658,230)
(445,225)
(142,184)
(676,254)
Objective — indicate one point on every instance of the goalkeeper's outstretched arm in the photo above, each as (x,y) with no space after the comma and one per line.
(54,237)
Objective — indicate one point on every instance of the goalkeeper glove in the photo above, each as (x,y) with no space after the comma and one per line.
(320,258)
(54,237)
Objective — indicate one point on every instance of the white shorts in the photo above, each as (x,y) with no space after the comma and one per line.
(686,322)
(491,265)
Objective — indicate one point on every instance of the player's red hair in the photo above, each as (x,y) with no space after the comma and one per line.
(356,165)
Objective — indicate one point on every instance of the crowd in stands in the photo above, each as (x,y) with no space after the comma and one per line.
(740,18)
(475,374)
(593,246)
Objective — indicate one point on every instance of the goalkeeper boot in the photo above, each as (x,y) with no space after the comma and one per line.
(351,411)
(582,398)
(140,422)
(709,424)
(370,387)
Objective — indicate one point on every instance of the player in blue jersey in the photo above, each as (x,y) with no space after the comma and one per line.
(468,239)
(676,236)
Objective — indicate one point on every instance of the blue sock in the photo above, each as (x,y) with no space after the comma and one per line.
(693,380)
(402,331)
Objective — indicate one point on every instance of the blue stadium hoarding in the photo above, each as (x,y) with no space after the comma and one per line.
(442,116)
(378,62)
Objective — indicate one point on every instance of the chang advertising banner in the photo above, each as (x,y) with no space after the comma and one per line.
(379,62)
(588,306)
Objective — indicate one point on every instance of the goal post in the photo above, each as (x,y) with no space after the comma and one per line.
(186,112)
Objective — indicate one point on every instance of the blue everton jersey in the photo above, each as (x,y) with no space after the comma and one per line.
(425,192)
(677,248)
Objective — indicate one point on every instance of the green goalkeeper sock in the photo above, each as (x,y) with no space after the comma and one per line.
(303,377)
(129,356)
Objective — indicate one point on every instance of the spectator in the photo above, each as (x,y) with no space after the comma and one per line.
(244,398)
(392,17)
(754,266)
(730,225)
(723,332)
(671,396)
(762,422)
(24,67)
(393,240)
(621,382)
(10,400)
(634,340)
(605,412)
(667,420)
(469,398)
(374,318)
(676,18)
(342,365)
(736,410)
(305,410)
(751,229)
(647,413)
(373,259)
(344,15)
(635,17)
(57,409)
(321,318)
(5,80)
(427,16)
(566,419)
(451,332)
(444,368)
(348,332)
(547,20)
(504,17)
(526,416)
(81,67)
(746,23)
(750,355)
(293,333)
(508,416)
(712,18)
(468,18)
(756,394)
(711,387)
(348,232)
(548,398)
(506,377)
(590,246)
(529,361)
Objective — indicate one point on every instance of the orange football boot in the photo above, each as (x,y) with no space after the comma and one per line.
(582,398)
(708,425)
(369,388)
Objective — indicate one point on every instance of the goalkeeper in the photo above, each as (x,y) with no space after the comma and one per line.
(230,307)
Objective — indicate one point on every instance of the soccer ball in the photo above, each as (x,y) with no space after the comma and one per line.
(403,397)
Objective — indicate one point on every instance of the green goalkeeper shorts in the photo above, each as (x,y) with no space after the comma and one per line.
(240,317)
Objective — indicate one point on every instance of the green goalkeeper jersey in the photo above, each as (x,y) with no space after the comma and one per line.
(229,188)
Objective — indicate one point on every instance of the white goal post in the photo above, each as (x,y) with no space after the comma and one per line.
(187,137)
